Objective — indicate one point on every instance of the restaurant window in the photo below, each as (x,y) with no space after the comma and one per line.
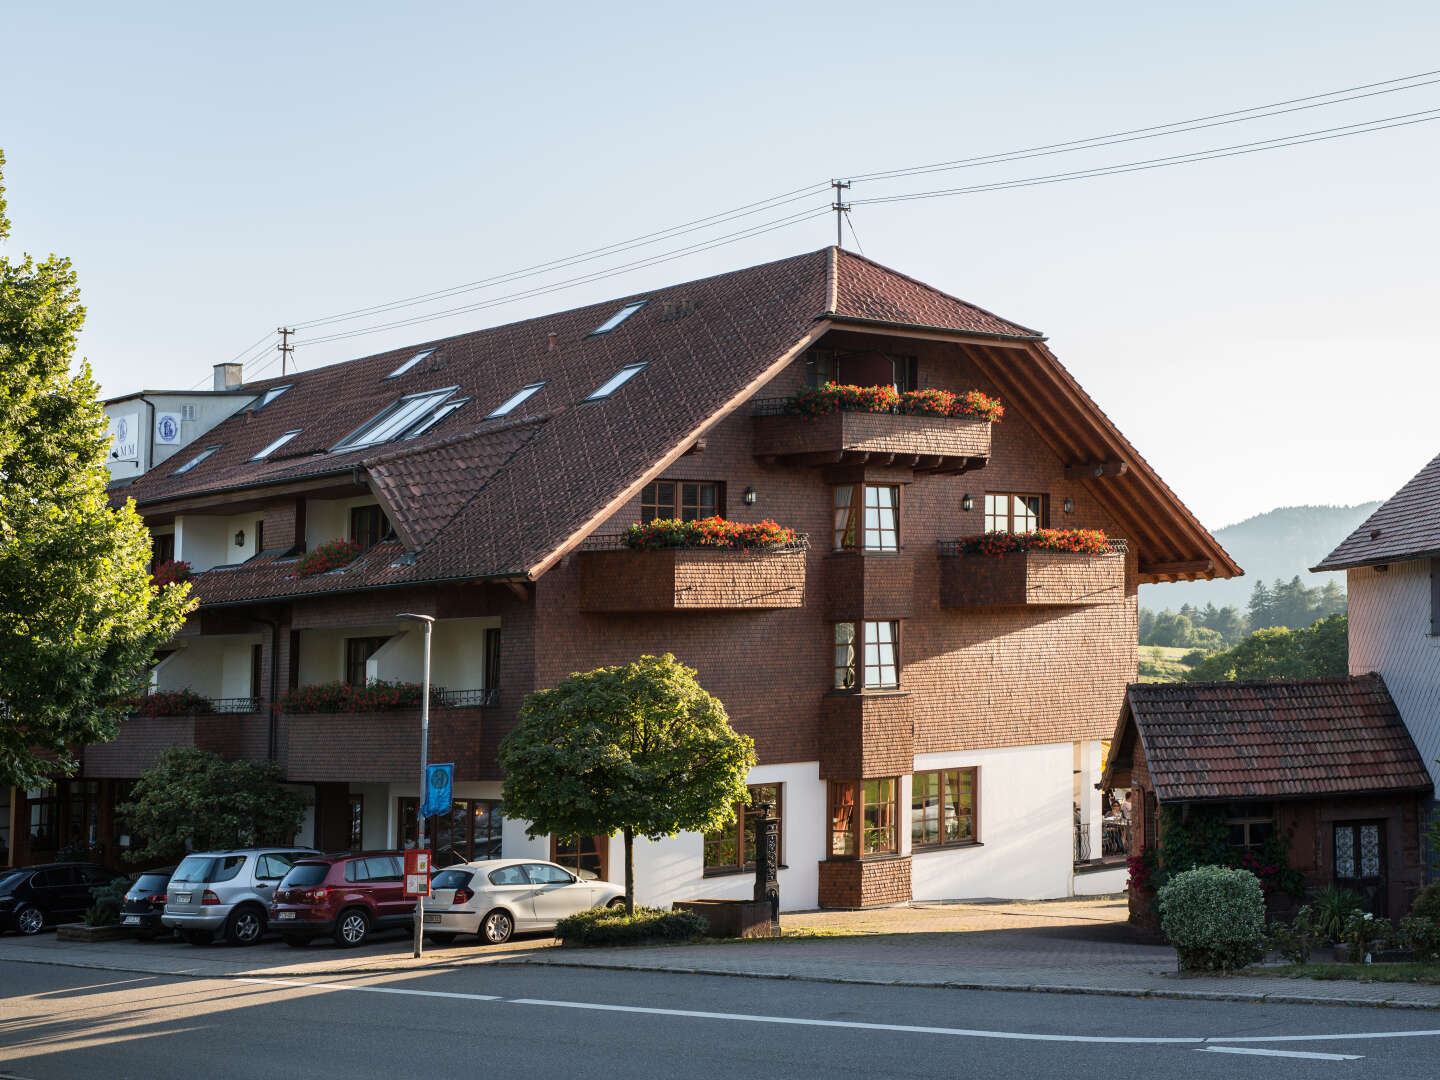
(368,526)
(357,823)
(84,823)
(469,832)
(1012,512)
(942,808)
(577,853)
(162,548)
(687,500)
(732,848)
(867,517)
(357,651)
(1250,824)
(862,818)
(43,808)
(879,668)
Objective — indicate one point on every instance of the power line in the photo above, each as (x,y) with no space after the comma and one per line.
(1278,143)
(1199,123)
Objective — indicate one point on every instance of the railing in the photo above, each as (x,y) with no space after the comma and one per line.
(1082,842)
(1115,545)
(468,699)
(1114,839)
(616,542)
(235,704)
(162,703)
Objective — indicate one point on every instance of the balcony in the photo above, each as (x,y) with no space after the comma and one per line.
(869,585)
(615,579)
(384,747)
(1031,578)
(933,444)
(234,728)
(865,735)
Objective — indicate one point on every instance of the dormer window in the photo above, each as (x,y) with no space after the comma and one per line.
(515,400)
(270,395)
(618,318)
(397,420)
(281,441)
(196,460)
(619,379)
(439,414)
(408,364)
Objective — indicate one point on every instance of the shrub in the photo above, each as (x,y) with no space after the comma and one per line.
(1364,932)
(340,697)
(327,557)
(1421,935)
(1086,541)
(168,703)
(106,900)
(1332,909)
(170,573)
(1214,916)
(612,926)
(707,532)
(1291,942)
(1427,902)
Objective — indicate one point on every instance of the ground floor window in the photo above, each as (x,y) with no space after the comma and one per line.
(469,832)
(732,849)
(942,808)
(578,853)
(862,818)
(42,805)
(1250,824)
(357,822)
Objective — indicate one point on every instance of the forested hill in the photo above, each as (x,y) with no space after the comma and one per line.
(1278,544)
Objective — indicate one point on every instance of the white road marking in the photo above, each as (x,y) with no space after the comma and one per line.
(371,989)
(1312,1055)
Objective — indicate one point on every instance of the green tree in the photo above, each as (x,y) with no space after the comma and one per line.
(641,749)
(79,618)
(197,800)
(1276,652)
(1172,631)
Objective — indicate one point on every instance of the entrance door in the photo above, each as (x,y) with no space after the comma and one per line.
(1360,861)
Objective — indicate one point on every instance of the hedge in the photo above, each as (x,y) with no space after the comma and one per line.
(612,926)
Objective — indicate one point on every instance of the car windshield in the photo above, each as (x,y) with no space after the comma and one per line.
(451,879)
(9,881)
(303,874)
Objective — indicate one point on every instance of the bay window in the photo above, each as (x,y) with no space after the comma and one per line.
(879,665)
(862,818)
(867,517)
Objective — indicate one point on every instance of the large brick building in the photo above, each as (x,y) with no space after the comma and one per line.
(929,722)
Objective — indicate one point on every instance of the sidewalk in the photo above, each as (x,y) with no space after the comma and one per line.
(1072,946)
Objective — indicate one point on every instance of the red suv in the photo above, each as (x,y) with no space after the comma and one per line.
(348,896)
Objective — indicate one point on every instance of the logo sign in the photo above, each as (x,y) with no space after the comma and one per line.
(124,437)
(417,872)
(438,784)
(167,428)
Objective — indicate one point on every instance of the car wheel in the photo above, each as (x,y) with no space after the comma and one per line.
(197,937)
(352,928)
(618,902)
(295,941)
(245,926)
(497,927)
(445,938)
(29,920)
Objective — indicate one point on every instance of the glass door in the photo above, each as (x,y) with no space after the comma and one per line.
(1360,861)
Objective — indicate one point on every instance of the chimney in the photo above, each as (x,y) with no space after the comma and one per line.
(554,340)
(228,377)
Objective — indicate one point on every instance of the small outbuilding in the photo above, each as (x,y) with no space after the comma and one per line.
(1325,764)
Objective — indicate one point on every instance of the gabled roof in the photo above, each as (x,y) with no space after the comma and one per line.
(1405,526)
(505,498)
(1270,740)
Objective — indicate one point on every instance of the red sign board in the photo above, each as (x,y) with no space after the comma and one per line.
(417,872)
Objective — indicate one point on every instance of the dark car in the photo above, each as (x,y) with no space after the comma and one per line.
(348,896)
(144,904)
(38,896)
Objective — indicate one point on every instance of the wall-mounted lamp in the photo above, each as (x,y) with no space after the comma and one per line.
(1069,505)
(967,503)
(240,538)
(750,496)
(1383,568)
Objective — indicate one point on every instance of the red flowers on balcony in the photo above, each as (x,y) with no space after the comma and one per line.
(837,397)
(1076,541)
(711,532)
(170,572)
(168,703)
(340,697)
(327,557)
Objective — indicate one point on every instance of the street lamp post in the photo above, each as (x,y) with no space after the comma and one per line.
(427,623)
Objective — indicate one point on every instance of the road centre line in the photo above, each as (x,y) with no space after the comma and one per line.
(1312,1055)
(1198,1041)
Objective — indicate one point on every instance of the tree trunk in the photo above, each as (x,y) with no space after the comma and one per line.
(629,872)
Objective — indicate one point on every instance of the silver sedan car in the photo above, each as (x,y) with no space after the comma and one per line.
(501,897)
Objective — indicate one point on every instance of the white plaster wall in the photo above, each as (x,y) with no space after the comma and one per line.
(1102,882)
(200,540)
(457,654)
(217,666)
(1390,633)
(329,519)
(1026,828)
(210,409)
(322,652)
(375,830)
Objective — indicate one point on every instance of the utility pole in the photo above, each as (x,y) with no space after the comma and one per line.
(285,347)
(840,208)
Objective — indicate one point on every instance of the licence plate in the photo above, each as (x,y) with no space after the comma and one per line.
(429,918)
(287,914)
(182,897)
(132,920)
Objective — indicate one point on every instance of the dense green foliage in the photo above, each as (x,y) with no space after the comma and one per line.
(79,619)
(105,902)
(1201,838)
(1427,902)
(198,800)
(1293,605)
(640,749)
(1320,651)
(1330,909)
(615,926)
(1214,916)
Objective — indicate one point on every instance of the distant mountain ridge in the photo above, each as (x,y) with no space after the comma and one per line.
(1278,544)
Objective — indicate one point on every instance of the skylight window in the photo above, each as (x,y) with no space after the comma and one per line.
(201,456)
(408,364)
(271,394)
(439,414)
(620,316)
(619,379)
(397,419)
(281,441)
(514,402)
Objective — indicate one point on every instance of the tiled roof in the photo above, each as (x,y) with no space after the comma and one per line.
(490,498)
(1273,740)
(1406,526)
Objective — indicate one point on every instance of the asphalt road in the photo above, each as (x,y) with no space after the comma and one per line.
(60,1022)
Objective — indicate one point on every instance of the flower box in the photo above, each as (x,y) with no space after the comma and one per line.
(618,579)
(1037,576)
(922,442)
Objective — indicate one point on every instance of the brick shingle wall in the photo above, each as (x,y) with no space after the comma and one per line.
(381,747)
(850,883)
(633,581)
(866,736)
(1031,577)
(142,739)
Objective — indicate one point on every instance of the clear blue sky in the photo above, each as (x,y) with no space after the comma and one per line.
(1263,328)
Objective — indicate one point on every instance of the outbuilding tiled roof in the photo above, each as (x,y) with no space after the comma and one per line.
(1272,740)
(1405,526)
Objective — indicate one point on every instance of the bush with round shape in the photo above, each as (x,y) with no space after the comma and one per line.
(1214,916)
(1427,902)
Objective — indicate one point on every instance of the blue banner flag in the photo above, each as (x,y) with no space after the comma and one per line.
(438,780)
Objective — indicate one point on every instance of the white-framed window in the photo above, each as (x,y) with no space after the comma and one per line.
(201,456)
(408,364)
(868,521)
(515,400)
(619,379)
(618,318)
(878,666)
(396,420)
(281,441)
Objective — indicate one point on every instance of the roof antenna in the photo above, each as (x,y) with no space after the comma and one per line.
(285,347)
(840,208)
